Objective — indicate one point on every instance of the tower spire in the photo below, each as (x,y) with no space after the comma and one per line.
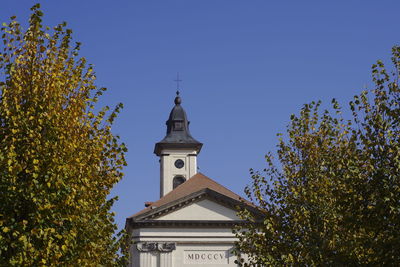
(178,150)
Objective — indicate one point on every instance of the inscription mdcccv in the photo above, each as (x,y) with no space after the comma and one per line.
(205,257)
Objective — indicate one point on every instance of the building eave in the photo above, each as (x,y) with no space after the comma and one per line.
(169,145)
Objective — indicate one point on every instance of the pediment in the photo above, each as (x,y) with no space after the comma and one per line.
(200,210)
(199,200)
(206,200)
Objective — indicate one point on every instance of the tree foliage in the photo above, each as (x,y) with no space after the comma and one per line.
(58,156)
(333,198)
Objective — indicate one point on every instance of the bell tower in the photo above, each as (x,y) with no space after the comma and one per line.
(177,151)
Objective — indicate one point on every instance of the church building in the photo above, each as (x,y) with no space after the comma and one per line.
(191,224)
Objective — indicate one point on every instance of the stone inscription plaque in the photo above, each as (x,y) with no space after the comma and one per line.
(210,257)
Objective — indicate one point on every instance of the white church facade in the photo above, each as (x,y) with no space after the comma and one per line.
(191,224)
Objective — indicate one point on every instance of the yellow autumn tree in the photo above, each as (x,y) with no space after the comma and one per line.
(58,156)
(332,197)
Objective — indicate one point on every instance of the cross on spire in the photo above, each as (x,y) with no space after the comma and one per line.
(177,83)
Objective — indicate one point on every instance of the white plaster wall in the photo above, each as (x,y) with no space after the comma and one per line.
(208,242)
(168,170)
(202,210)
(187,254)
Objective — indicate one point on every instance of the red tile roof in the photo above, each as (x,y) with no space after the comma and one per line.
(194,184)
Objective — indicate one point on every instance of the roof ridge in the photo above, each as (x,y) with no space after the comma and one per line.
(194,184)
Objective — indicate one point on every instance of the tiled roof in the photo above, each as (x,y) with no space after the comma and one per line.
(194,184)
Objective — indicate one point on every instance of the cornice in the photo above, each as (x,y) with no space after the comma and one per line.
(185,223)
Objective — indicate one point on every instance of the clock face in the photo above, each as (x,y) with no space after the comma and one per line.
(179,163)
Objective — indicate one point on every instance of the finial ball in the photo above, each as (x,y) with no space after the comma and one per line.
(178,100)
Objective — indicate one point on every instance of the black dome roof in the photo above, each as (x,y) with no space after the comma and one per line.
(178,134)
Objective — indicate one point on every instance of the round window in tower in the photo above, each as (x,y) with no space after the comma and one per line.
(179,163)
(178,180)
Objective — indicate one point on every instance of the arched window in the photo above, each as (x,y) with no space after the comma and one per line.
(178,180)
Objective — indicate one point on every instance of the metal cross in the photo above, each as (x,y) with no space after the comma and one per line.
(177,83)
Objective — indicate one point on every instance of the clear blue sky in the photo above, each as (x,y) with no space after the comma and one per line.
(246,66)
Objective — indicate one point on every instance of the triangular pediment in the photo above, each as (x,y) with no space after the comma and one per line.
(200,199)
(200,210)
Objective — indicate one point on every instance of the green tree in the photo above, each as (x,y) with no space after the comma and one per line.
(333,196)
(58,157)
